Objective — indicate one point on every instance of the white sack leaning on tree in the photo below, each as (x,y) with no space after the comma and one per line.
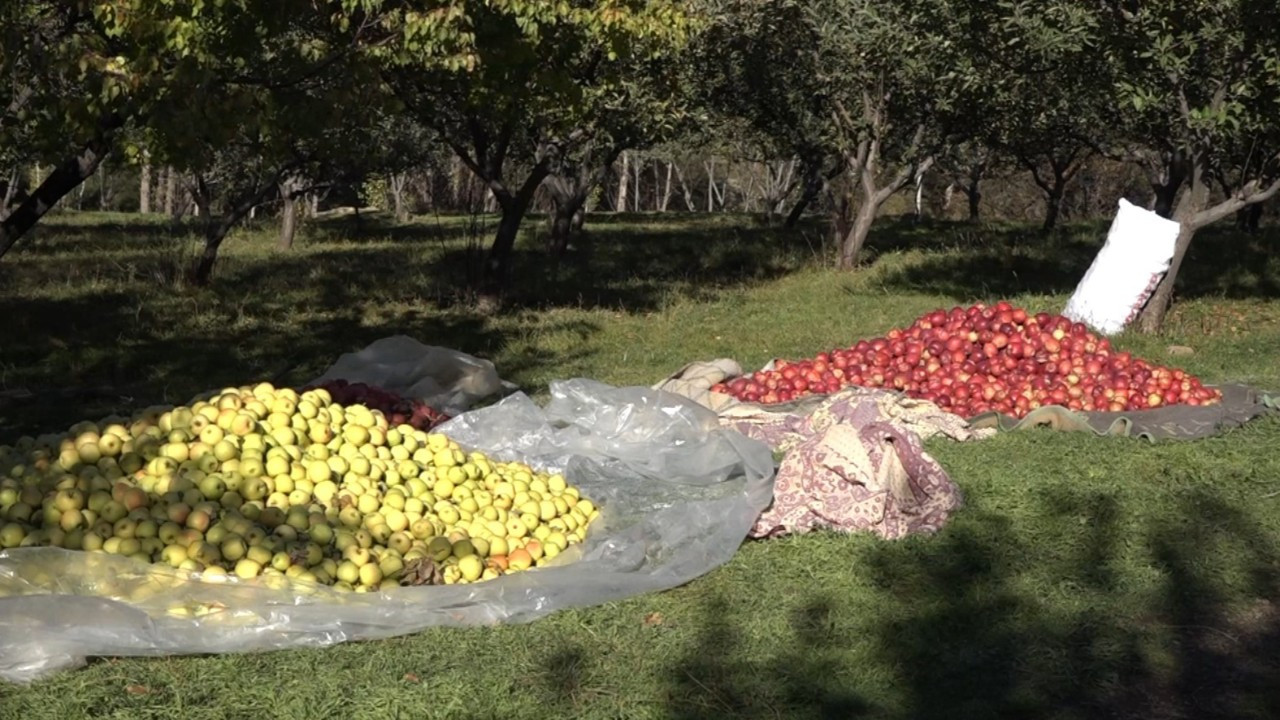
(1126,271)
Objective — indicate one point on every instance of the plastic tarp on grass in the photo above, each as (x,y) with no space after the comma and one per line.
(678,493)
(443,378)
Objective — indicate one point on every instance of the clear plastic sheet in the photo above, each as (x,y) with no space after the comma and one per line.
(677,494)
(447,380)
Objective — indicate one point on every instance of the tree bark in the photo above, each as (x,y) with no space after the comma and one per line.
(11,194)
(66,177)
(624,180)
(497,270)
(569,196)
(657,185)
(851,246)
(290,188)
(214,233)
(667,190)
(711,184)
(1063,169)
(873,197)
(567,219)
(684,188)
(170,189)
(1052,209)
(1194,213)
(973,190)
(1167,177)
(288,221)
(814,182)
(216,228)
(144,189)
(919,197)
(638,169)
(396,184)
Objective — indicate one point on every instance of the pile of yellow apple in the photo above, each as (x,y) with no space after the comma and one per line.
(260,481)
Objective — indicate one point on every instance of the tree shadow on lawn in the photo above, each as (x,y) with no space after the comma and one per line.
(104,352)
(1175,620)
(983,624)
(967,262)
(638,269)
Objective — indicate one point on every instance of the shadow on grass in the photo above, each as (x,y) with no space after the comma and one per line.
(1175,620)
(965,262)
(91,352)
(718,679)
(641,268)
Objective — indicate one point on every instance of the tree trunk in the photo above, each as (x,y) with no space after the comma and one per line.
(288,213)
(1063,169)
(813,184)
(667,190)
(65,177)
(873,197)
(711,184)
(567,218)
(144,189)
(216,229)
(11,194)
(638,168)
(1194,213)
(396,184)
(973,190)
(657,185)
(1052,209)
(851,244)
(1189,207)
(1164,198)
(497,270)
(170,190)
(103,201)
(684,188)
(919,210)
(1152,317)
(1167,177)
(624,180)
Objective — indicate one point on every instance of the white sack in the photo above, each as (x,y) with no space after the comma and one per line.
(1126,271)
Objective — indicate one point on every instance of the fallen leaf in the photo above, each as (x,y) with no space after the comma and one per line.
(652,619)
(137,689)
(412,677)
(1180,350)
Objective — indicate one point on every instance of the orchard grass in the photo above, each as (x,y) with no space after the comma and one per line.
(1084,577)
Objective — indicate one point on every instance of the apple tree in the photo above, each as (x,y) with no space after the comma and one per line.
(65,94)
(1037,88)
(84,72)
(536,82)
(860,90)
(1197,98)
(755,84)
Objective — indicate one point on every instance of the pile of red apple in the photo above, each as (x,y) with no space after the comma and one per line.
(973,360)
(399,410)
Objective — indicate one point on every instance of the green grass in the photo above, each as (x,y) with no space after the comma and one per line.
(1084,578)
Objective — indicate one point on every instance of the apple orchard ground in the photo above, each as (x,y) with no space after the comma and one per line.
(1084,578)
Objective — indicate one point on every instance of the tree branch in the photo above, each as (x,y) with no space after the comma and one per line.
(1248,195)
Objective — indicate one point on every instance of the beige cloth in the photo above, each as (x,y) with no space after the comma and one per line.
(852,460)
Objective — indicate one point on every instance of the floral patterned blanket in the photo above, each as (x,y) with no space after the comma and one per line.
(852,461)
